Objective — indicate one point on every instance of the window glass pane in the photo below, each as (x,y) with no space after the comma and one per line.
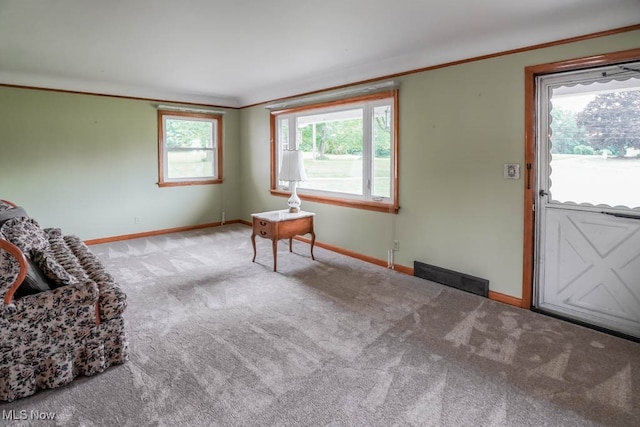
(595,140)
(189,133)
(283,133)
(333,147)
(189,145)
(283,138)
(382,151)
(190,163)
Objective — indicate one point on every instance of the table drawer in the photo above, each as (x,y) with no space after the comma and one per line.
(295,227)
(263,228)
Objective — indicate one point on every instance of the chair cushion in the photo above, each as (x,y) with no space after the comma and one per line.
(25,233)
(52,269)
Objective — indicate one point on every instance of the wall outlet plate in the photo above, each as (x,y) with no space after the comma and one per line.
(511,171)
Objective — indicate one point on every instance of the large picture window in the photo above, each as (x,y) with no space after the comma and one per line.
(350,150)
(190,148)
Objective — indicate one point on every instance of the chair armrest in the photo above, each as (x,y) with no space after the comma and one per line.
(112,303)
(14,251)
(78,294)
(6,202)
(82,293)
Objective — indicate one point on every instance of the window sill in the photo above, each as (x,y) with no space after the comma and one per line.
(358,204)
(183,183)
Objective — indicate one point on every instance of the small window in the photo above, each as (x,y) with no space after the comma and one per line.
(350,150)
(190,148)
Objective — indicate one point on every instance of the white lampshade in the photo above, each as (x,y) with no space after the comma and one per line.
(292,168)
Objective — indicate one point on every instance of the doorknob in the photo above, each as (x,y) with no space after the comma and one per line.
(543,193)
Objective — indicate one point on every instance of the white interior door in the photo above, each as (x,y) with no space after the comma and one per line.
(588,219)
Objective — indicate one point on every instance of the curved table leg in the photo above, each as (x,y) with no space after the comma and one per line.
(253,243)
(313,240)
(275,254)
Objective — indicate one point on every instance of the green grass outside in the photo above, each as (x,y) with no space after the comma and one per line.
(189,164)
(339,173)
(595,180)
(576,178)
(343,173)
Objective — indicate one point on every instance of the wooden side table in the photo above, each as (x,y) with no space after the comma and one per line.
(276,225)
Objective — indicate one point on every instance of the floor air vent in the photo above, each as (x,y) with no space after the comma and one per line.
(461,281)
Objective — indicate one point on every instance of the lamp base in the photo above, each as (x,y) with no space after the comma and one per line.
(294,200)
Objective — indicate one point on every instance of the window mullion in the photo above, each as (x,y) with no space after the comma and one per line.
(165,150)
(367,151)
(295,136)
(215,142)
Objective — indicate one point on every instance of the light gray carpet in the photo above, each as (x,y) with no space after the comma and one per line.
(218,340)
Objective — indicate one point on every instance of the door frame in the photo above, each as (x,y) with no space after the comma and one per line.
(530,159)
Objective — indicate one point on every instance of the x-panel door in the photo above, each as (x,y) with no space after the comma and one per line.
(587,256)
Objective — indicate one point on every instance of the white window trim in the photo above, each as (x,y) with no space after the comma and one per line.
(366,200)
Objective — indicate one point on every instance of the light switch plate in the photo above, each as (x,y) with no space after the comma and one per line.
(511,171)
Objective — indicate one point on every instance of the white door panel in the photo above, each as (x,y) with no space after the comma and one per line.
(592,268)
(587,264)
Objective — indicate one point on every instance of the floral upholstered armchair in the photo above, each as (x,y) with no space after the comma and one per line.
(60,310)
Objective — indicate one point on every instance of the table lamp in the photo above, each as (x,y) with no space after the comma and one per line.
(292,170)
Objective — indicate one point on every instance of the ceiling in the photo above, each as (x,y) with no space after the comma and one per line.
(243,52)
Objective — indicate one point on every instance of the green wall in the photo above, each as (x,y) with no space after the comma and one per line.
(458,126)
(89,165)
